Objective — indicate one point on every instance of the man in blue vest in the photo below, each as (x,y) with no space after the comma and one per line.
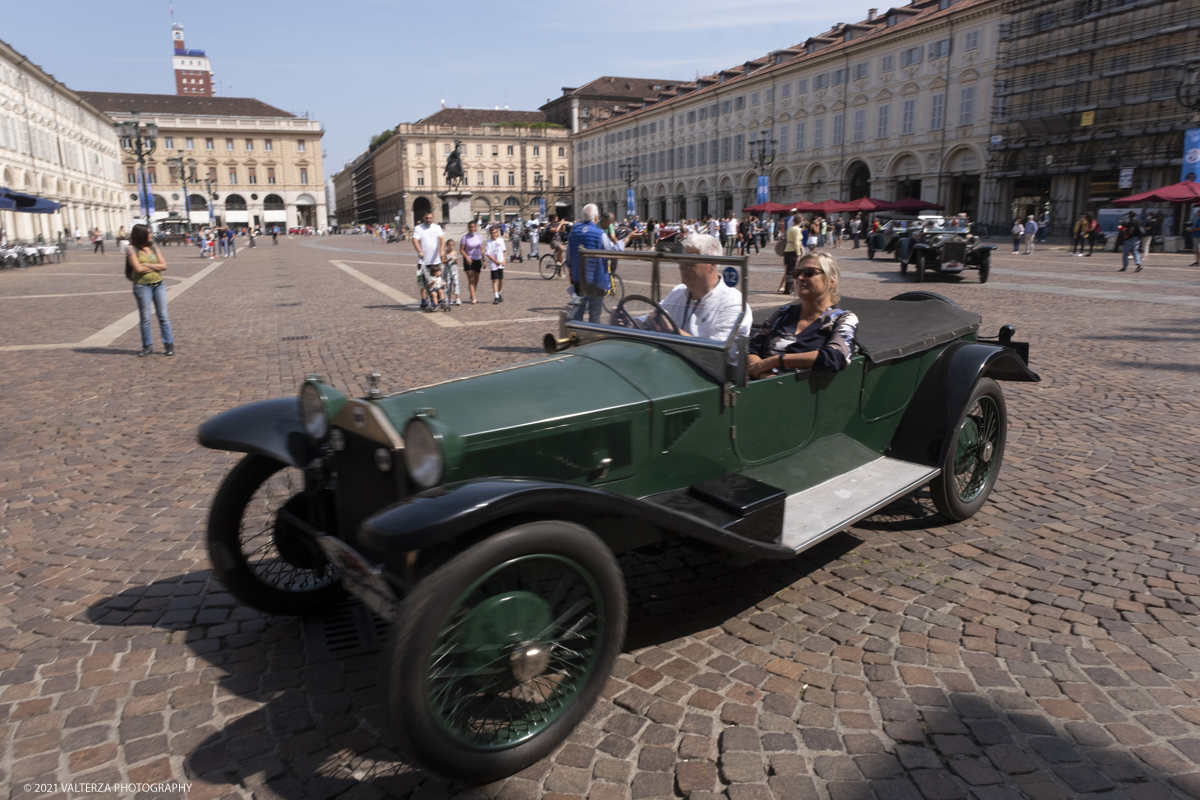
(589,278)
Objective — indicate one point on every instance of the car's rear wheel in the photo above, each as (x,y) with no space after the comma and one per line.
(919,266)
(257,545)
(985,267)
(498,654)
(973,458)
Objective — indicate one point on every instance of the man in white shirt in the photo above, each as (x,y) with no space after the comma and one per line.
(534,232)
(429,241)
(703,305)
(731,233)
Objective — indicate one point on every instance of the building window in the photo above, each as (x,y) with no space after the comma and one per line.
(654,162)
(892,20)
(819,134)
(725,149)
(939,49)
(966,107)
(786,90)
(249,144)
(417,150)
(304,176)
(839,127)
(537,151)
(233,175)
(562,179)
(691,155)
(860,125)
(300,146)
(884,113)
(537,176)
(726,106)
(754,98)
(495,150)
(909,125)
(271,175)
(839,76)
(820,81)
(739,147)
(169,142)
(937,116)
(771,95)
(712,152)
(268,145)
(189,143)
(860,71)
(1045,21)
(252,175)
(800,136)
(479,178)
(802,86)
(229,144)
(479,150)
(691,117)
(671,160)
(887,63)
(971,40)
(562,152)
(509,150)
(420,177)
(912,55)
(208,143)
(512,179)
(495,179)
(702,157)
(131,176)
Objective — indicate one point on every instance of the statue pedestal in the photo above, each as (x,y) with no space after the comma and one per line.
(459,203)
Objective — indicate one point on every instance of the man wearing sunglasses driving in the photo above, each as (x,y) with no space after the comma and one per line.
(702,305)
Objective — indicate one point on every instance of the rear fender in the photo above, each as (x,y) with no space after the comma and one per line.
(928,424)
(270,428)
(438,515)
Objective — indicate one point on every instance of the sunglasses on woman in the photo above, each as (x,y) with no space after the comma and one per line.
(810,272)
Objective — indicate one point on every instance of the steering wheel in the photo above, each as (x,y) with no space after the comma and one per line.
(659,311)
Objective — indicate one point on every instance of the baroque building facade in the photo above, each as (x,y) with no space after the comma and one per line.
(57,145)
(511,160)
(893,106)
(263,164)
(1086,91)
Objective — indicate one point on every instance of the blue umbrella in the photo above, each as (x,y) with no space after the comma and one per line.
(27,203)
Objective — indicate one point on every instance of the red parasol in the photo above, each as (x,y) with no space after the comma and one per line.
(1183,192)
(914,204)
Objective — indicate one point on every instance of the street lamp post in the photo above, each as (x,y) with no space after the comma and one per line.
(629,173)
(209,183)
(140,141)
(187,174)
(762,154)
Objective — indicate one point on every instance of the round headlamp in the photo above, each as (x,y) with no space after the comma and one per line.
(312,411)
(422,453)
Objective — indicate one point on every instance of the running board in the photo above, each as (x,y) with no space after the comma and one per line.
(817,513)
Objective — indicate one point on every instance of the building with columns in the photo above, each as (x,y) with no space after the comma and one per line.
(512,159)
(264,164)
(896,105)
(57,145)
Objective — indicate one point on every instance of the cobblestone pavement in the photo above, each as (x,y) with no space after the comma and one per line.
(1047,648)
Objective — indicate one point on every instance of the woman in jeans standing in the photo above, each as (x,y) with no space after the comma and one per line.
(144,266)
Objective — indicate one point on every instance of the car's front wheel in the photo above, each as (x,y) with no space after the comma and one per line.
(258,542)
(498,654)
(919,266)
(985,267)
(973,458)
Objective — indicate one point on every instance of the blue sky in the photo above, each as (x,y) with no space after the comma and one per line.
(364,65)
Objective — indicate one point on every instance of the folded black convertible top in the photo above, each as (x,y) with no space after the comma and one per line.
(891,329)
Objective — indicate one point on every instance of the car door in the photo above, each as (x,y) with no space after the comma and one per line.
(773,416)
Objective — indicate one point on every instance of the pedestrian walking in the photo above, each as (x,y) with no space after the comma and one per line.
(1153,228)
(78,236)
(230,243)
(1079,236)
(1131,233)
(793,249)
(1018,230)
(144,265)
(471,247)
(97,241)
(534,236)
(275,235)
(514,238)
(494,256)
(590,277)
(450,274)
(429,241)
(1031,229)
(856,230)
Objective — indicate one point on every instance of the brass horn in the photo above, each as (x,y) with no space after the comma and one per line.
(553,344)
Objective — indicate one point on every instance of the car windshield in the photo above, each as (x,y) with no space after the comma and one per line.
(692,304)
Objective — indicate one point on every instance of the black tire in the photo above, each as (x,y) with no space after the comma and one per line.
(611,301)
(903,267)
(919,295)
(970,467)
(919,266)
(268,564)
(985,267)
(546,266)
(448,612)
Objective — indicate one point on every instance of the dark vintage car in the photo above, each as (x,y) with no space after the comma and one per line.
(946,248)
(482,515)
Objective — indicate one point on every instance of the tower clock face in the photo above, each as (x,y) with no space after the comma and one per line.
(178,35)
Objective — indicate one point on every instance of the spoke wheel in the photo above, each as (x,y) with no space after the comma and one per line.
(501,652)
(546,266)
(615,295)
(258,551)
(972,462)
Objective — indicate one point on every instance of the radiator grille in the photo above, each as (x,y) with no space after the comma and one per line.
(565,453)
(954,251)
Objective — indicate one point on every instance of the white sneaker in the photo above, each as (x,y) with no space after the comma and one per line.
(458,301)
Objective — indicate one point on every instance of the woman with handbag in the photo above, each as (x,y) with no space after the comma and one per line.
(144,266)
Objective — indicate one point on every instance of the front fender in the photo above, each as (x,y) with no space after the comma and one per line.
(928,424)
(445,512)
(270,428)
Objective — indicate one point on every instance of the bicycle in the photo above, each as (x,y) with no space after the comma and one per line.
(548,267)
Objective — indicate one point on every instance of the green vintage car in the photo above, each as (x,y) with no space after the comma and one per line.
(482,516)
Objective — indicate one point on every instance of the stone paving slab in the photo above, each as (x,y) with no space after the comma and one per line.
(1046,648)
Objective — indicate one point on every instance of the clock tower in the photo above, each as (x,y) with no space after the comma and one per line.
(193,73)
